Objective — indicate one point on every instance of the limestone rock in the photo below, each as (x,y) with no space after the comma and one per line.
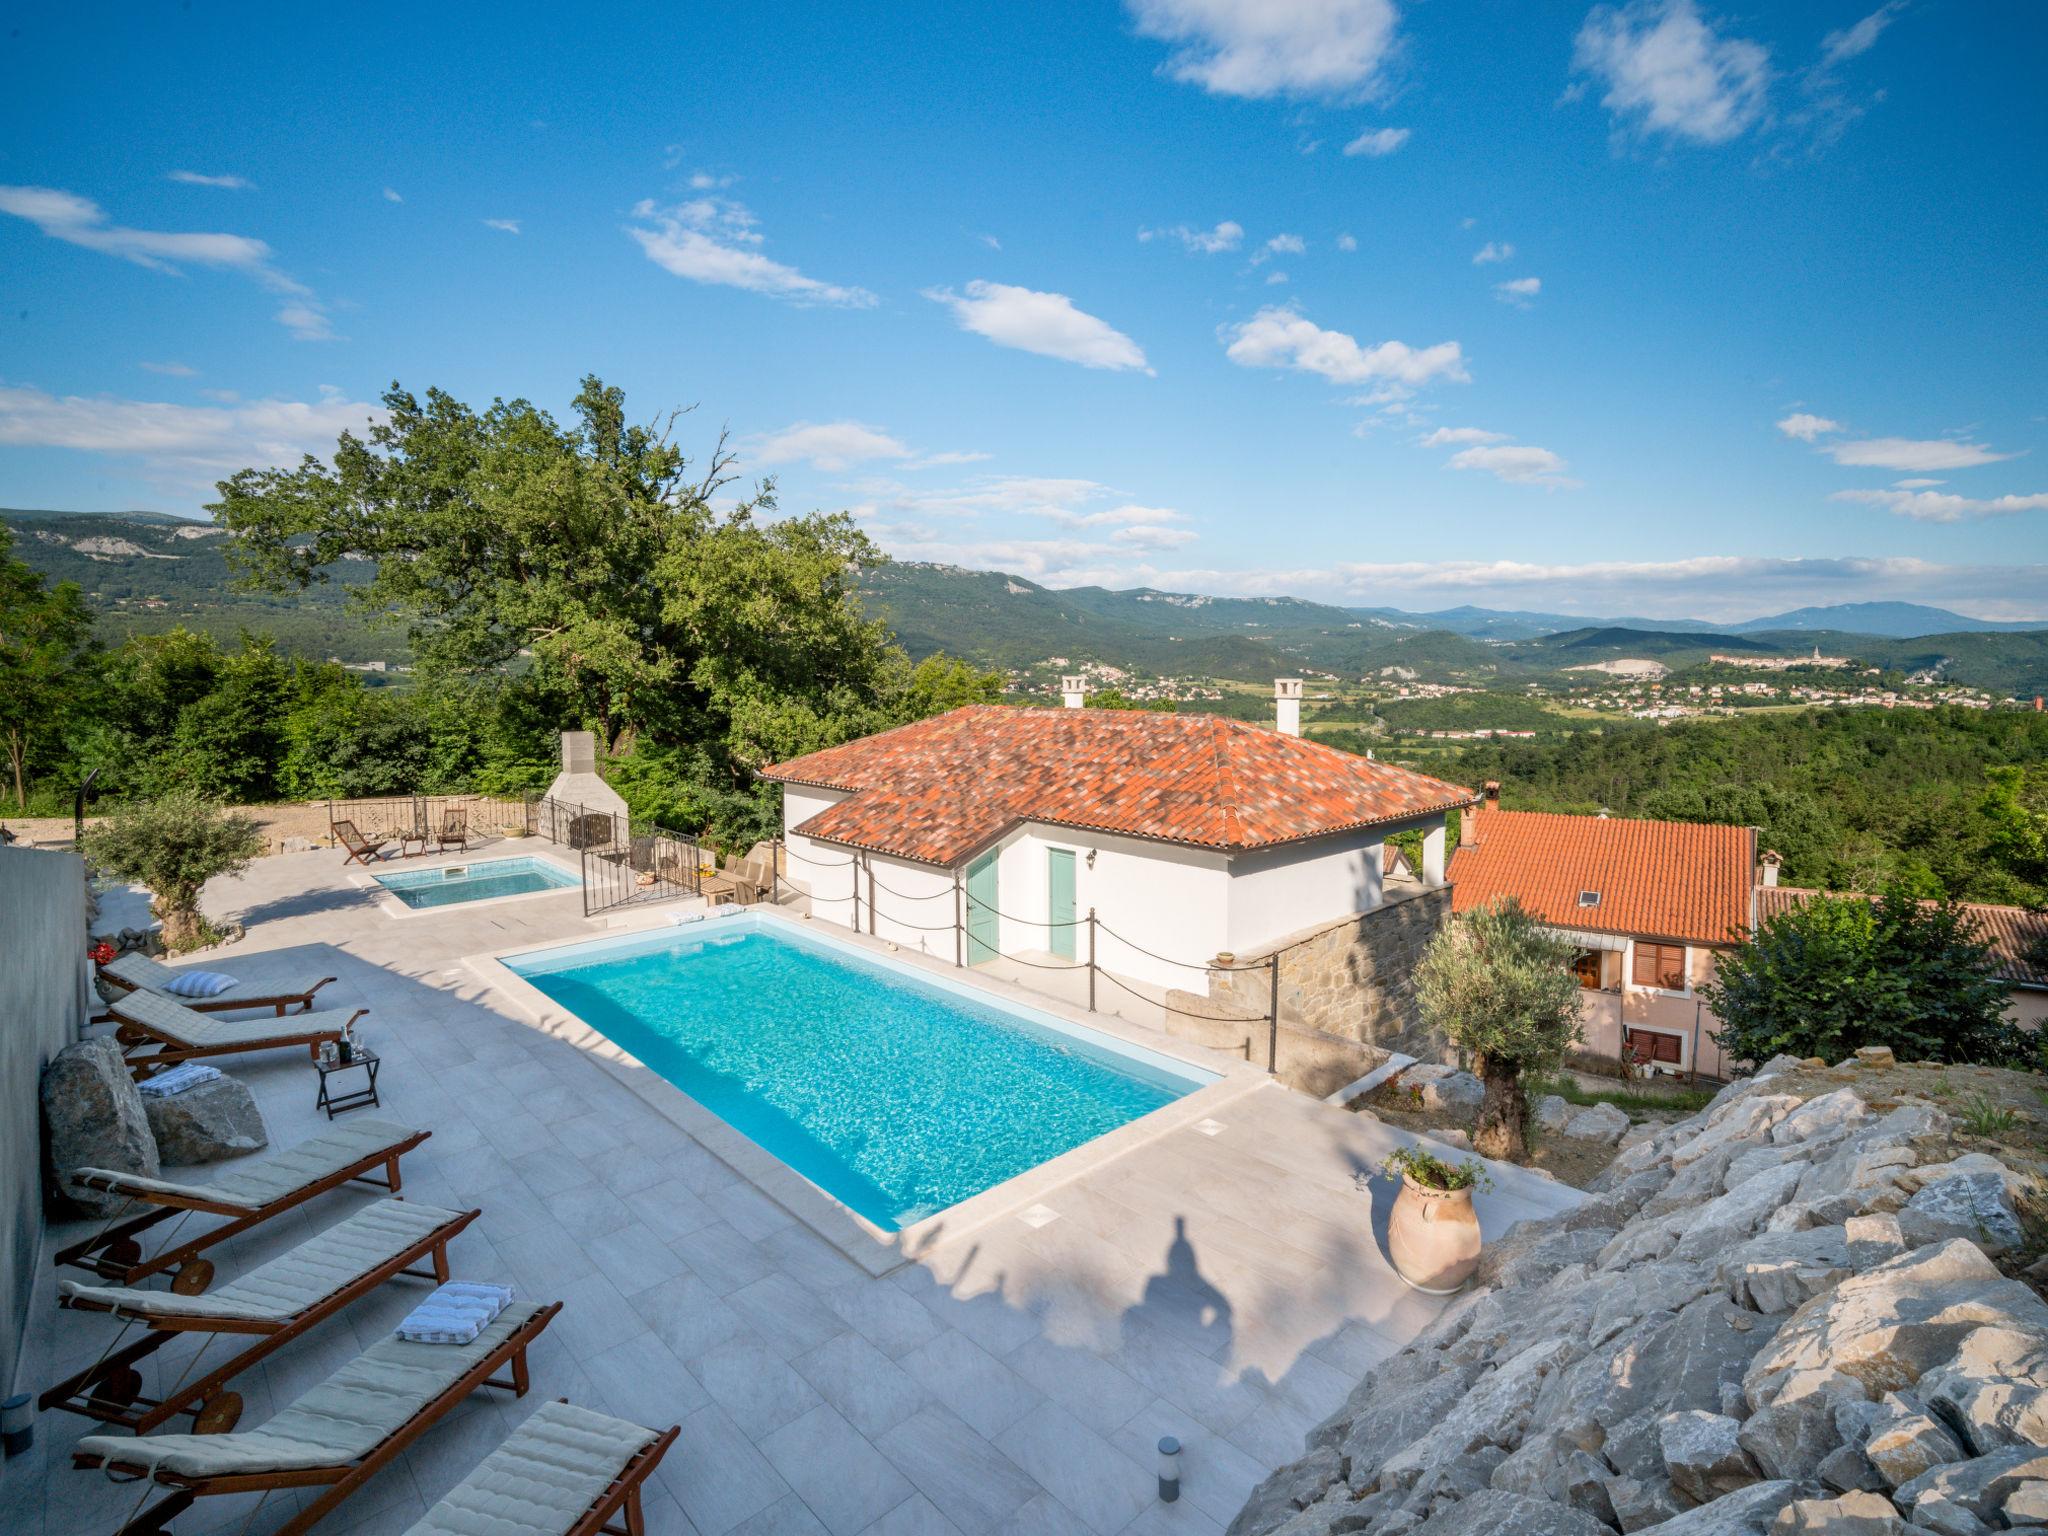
(1399,1417)
(1875,1056)
(1778,1271)
(1830,1112)
(94,1118)
(1746,1512)
(1995,1390)
(2027,1505)
(1873,1240)
(1975,1488)
(1334,1515)
(1640,1506)
(1910,1445)
(1287,1492)
(1847,1470)
(1530,1252)
(1736,1122)
(1723,1223)
(1499,1513)
(1791,1437)
(1493,1413)
(1974,1205)
(1703,1455)
(1448,1089)
(1551,1113)
(207,1124)
(1853,1514)
(1602,1123)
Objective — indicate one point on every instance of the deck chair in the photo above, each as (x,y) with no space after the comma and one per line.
(361,849)
(248,1195)
(454,829)
(272,1304)
(335,1437)
(137,972)
(566,1470)
(181,1034)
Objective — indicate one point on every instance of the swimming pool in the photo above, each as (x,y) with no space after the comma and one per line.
(452,884)
(896,1093)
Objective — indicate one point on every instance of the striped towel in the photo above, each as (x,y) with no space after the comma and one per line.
(455,1313)
(189,1074)
(727,909)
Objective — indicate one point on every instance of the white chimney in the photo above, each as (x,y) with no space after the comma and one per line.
(1074,692)
(1770,862)
(579,782)
(1287,705)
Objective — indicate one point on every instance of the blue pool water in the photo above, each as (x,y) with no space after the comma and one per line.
(455,883)
(896,1095)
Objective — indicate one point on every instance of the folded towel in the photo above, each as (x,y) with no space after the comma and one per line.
(455,1313)
(727,909)
(177,1079)
(677,919)
(198,984)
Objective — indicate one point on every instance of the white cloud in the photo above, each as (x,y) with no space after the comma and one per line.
(503,226)
(714,240)
(1275,279)
(1920,484)
(1347,242)
(1806,427)
(391,196)
(1518,464)
(1226,236)
(80,221)
(1277,337)
(1377,142)
(181,447)
(1045,323)
(173,370)
(1851,42)
(1518,291)
(1492,251)
(947,456)
(832,445)
(1945,506)
(198,179)
(1259,48)
(1451,437)
(1912,455)
(1286,245)
(1668,71)
(990,241)
(1150,537)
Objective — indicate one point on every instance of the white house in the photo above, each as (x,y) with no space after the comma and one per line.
(994,829)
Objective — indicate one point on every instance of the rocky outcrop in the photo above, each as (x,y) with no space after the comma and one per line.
(208,1123)
(1778,1317)
(93,1118)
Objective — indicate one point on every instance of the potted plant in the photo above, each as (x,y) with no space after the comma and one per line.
(1433,1232)
(99,952)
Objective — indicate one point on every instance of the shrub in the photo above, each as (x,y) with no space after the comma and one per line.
(174,845)
(1432,1172)
(1840,972)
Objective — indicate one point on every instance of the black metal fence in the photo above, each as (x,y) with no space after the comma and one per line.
(476,818)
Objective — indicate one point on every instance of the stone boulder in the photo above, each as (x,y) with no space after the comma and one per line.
(1446,1089)
(1853,1514)
(1602,1123)
(210,1123)
(94,1118)
(1976,1489)
(1747,1512)
(1703,1454)
(1499,1513)
(1962,1201)
(1551,1113)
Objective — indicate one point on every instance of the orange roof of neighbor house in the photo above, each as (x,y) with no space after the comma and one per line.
(2011,932)
(1683,880)
(940,790)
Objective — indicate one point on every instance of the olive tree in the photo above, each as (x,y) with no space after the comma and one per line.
(1500,987)
(174,845)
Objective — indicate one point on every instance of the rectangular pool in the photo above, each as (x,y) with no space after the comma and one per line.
(896,1093)
(486,880)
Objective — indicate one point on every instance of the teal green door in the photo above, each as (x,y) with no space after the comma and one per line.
(981,909)
(1059,887)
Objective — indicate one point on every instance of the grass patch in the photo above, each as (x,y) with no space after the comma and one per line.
(1684,1100)
(1982,1117)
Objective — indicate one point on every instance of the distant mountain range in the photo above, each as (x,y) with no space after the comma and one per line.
(147,571)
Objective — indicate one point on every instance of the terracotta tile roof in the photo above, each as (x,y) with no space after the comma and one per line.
(1682,880)
(2010,931)
(940,790)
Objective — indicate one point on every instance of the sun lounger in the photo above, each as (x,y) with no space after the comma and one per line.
(137,972)
(361,849)
(180,1033)
(332,1439)
(272,1304)
(565,1472)
(247,1194)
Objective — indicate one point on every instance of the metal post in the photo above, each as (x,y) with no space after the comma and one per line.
(78,809)
(856,890)
(1091,959)
(1273,1015)
(959,927)
(870,864)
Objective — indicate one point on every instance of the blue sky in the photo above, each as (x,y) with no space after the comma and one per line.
(1657,308)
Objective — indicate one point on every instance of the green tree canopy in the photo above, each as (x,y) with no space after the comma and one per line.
(174,845)
(45,658)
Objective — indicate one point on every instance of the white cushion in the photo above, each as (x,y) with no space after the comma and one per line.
(198,984)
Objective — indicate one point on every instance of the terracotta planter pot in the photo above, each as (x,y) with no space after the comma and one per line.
(1433,1237)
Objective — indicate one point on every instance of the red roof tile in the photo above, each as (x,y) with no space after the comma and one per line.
(940,790)
(1681,880)
(2012,932)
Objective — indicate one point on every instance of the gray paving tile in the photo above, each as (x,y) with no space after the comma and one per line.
(642,1380)
(1079,1468)
(833,1468)
(869,1389)
(715,1473)
(967,1479)
(753,1384)
(1081,1381)
(984,1392)
(786,1315)
(1216,1476)
(687,1316)
(787,1516)
(915,1516)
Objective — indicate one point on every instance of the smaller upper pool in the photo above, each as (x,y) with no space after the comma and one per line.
(487,880)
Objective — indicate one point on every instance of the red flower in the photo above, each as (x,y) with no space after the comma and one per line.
(100,953)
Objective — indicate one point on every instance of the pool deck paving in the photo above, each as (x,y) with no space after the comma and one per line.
(1220,1279)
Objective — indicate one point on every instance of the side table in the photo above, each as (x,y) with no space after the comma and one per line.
(357,1098)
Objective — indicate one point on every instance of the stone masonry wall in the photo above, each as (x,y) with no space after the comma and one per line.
(1353,978)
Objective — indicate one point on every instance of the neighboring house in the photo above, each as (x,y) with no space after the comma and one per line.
(1650,904)
(1186,835)
(2017,937)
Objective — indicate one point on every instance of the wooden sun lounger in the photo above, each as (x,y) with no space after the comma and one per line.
(181,1034)
(137,972)
(361,849)
(247,1194)
(567,1471)
(272,1304)
(335,1437)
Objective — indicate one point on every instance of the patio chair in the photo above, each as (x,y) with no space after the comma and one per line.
(272,1304)
(566,1470)
(336,1436)
(247,1195)
(361,849)
(454,828)
(181,1034)
(137,972)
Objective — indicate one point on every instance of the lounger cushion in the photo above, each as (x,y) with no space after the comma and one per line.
(543,1479)
(173,1020)
(338,1422)
(292,1282)
(139,970)
(255,1185)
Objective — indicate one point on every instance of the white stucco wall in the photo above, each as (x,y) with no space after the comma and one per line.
(909,901)
(817,868)
(1278,891)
